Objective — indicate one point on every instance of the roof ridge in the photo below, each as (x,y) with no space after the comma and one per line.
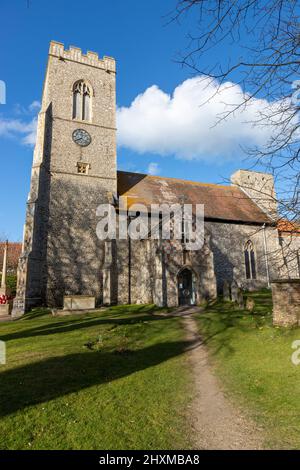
(179,179)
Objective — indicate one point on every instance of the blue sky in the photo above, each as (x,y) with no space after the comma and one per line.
(136,33)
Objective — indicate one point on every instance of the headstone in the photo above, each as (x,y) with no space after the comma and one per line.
(226,290)
(2,353)
(240,298)
(79,302)
(250,304)
(234,291)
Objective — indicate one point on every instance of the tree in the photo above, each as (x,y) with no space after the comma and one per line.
(265,35)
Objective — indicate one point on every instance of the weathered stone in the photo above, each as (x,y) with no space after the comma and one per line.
(226,290)
(250,304)
(234,292)
(260,187)
(286,302)
(240,298)
(79,302)
(5,309)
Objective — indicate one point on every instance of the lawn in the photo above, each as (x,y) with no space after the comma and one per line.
(117,379)
(253,360)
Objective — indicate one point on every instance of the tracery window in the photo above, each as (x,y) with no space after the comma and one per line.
(250,264)
(82,101)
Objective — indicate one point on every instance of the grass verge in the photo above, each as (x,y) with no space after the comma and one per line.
(253,360)
(111,380)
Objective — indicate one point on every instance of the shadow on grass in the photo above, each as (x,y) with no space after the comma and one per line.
(221,321)
(65,325)
(55,377)
(111,311)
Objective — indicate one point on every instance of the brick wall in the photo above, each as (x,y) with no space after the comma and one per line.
(286,302)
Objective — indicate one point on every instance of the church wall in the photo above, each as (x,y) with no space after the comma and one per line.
(227,242)
(75,255)
(290,249)
(142,271)
(153,273)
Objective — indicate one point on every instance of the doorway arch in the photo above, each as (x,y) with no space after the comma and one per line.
(186,287)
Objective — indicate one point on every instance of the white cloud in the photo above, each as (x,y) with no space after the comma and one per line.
(153,168)
(21,110)
(19,128)
(183,124)
(24,127)
(34,106)
(30,137)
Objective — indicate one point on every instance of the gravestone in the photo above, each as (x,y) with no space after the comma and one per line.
(240,298)
(234,291)
(226,290)
(79,302)
(2,353)
(250,304)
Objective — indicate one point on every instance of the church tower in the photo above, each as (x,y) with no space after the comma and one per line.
(73,171)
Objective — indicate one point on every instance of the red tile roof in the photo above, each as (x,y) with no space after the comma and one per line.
(287,227)
(13,254)
(220,201)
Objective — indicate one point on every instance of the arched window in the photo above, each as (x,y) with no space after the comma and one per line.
(249,254)
(82,101)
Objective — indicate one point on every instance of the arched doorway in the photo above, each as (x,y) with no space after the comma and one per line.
(186,287)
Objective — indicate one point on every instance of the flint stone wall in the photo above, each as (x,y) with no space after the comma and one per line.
(227,243)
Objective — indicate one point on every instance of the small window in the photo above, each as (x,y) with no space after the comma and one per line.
(82,101)
(250,265)
(83,168)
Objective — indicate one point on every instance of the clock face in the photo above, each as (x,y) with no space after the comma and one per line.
(81,137)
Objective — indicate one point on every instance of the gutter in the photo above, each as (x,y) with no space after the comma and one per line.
(266,254)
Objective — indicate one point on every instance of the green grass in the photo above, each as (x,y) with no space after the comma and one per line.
(116,379)
(253,360)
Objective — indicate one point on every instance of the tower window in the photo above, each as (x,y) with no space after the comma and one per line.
(82,100)
(249,255)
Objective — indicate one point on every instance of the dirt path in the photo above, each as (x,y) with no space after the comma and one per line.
(217,424)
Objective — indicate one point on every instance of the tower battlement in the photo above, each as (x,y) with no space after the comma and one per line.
(75,54)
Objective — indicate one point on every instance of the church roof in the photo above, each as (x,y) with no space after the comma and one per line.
(286,227)
(221,202)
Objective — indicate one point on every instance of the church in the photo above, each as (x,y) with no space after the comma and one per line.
(74,171)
